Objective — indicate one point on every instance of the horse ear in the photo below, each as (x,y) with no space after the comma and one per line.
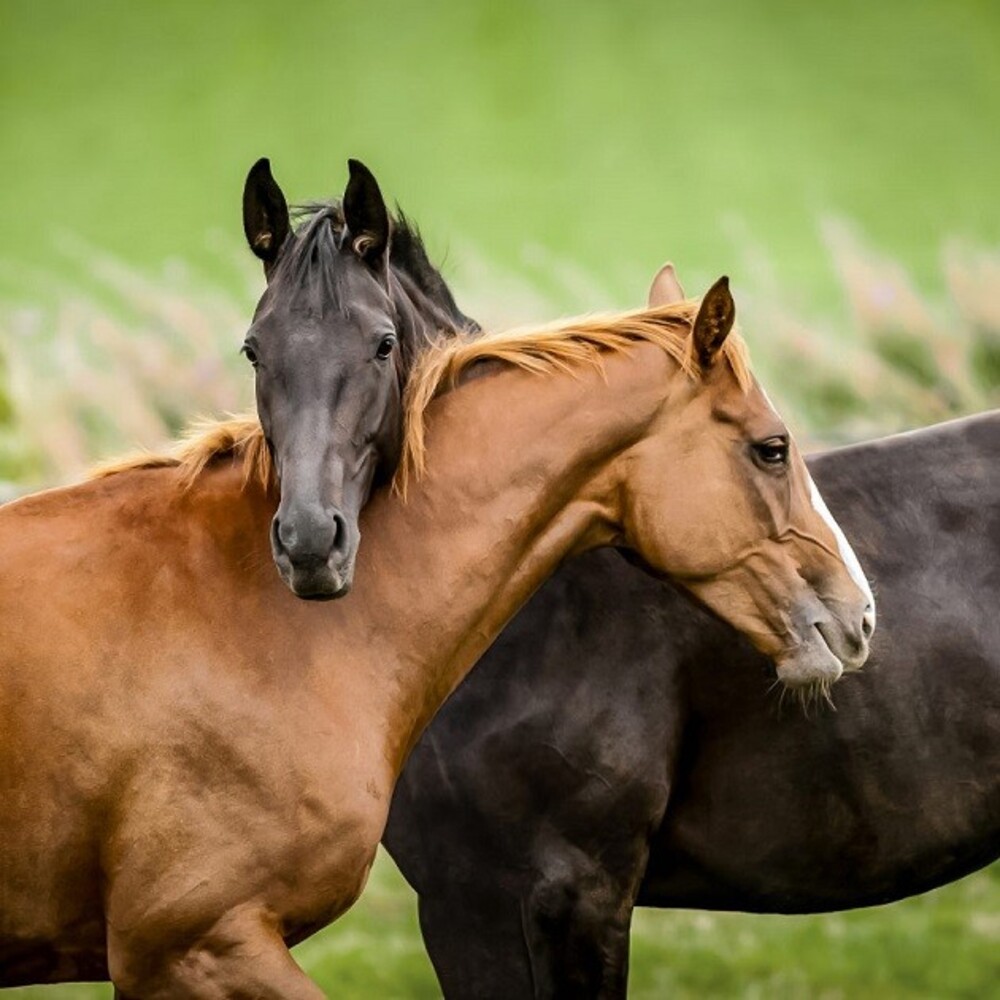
(265,212)
(714,321)
(366,215)
(665,289)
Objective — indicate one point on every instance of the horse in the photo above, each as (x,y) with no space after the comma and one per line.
(197,764)
(353,276)
(617,746)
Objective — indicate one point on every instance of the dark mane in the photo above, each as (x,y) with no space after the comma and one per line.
(408,254)
(309,262)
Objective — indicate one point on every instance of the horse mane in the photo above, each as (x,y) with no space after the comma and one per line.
(238,436)
(557,346)
(407,251)
(560,346)
(408,254)
(319,234)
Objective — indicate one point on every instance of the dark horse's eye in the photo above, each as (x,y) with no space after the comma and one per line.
(773,451)
(250,353)
(385,346)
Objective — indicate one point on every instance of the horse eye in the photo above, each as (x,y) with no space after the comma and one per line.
(250,353)
(773,451)
(385,346)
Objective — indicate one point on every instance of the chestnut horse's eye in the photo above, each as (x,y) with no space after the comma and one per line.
(773,451)
(250,353)
(386,346)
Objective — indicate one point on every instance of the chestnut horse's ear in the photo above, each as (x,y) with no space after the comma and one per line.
(265,212)
(713,322)
(366,215)
(665,289)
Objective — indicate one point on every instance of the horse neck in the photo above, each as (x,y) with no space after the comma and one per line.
(521,473)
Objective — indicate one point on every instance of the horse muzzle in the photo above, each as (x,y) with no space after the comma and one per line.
(314,551)
(829,646)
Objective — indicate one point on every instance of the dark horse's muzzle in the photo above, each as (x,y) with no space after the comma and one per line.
(314,548)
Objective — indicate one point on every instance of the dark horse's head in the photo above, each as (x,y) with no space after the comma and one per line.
(350,299)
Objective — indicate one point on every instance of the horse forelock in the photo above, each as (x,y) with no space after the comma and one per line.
(308,266)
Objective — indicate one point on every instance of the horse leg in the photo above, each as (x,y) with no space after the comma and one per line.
(567,937)
(474,937)
(242,957)
(577,919)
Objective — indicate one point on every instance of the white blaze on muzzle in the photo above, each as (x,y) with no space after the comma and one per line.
(843,546)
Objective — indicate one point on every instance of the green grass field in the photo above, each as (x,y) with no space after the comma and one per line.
(944,944)
(555,153)
(609,134)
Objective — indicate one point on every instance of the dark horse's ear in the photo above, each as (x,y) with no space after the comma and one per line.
(713,322)
(366,215)
(265,212)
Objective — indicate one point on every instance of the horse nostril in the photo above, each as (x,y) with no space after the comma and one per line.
(868,622)
(283,534)
(340,540)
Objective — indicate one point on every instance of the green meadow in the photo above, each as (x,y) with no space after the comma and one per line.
(838,160)
(942,945)
(606,134)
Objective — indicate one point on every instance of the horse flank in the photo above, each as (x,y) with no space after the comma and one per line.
(556,347)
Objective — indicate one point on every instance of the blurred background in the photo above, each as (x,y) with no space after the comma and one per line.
(838,160)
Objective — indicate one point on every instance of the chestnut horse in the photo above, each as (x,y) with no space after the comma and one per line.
(197,766)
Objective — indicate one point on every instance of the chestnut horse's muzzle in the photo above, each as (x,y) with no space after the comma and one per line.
(830,644)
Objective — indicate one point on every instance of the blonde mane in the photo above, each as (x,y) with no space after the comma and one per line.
(560,346)
(239,437)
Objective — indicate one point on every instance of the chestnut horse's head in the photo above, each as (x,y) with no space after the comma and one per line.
(740,523)
(331,341)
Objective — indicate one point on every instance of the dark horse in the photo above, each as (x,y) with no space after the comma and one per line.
(526,828)
(351,300)
(619,746)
